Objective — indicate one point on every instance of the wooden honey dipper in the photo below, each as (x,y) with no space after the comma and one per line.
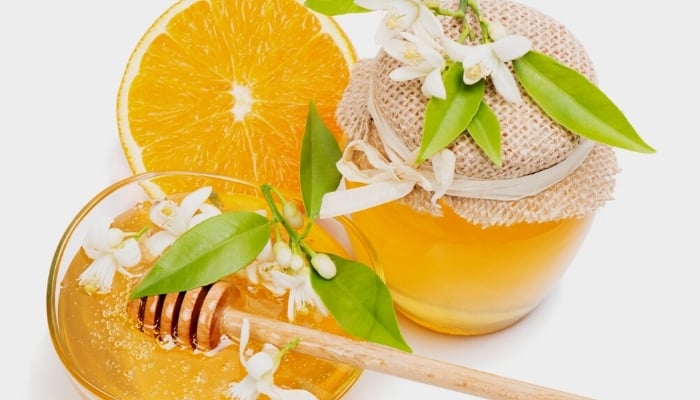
(198,318)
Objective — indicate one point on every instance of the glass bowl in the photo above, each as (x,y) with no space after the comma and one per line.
(108,358)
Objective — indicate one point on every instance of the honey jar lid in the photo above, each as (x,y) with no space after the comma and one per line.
(547,172)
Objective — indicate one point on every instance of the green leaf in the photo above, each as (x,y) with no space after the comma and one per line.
(486,132)
(570,99)
(334,7)
(212,249)
(319,154)
(446,119)
(360,302)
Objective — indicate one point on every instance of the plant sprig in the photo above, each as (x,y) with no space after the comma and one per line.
(226,243)
(563,94)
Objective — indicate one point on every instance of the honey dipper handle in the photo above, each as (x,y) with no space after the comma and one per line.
(376,357)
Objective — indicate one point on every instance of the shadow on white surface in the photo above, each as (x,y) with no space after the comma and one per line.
(48,379)
(491,352)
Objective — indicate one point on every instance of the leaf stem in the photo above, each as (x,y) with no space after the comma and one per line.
(307,229)
(287,348)
(267,190)
(141,232)
(448,13)
(306,249)
(483,22)
(295,238)
(466,29)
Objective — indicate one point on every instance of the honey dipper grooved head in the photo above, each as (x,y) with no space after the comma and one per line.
(189,318)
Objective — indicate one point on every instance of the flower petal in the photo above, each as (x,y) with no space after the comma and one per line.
(511,47)
(301,293)
(295,301)
(454,50)
(247,389)
(505,84)
(398,49)
(433,58)
(399,15)
(200,217)
(473,55)
(272,351)
(428,27)
(159,241)
(245,336)
(100,238)
(208,209)
(99,275)
(406,73)
(272,278)
(497,31)
(314,298)
(259,364)
(162,213)
(128,254)
(251,273)
(383,35)
(191,203)
(286,281)
(433,85)
(444,170)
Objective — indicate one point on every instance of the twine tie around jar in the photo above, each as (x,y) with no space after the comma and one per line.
(393,178)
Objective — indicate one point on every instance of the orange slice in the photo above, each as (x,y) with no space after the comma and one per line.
(224,86)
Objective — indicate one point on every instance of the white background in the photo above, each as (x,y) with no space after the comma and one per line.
(623,322)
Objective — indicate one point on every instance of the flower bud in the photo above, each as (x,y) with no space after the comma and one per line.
(292,215)
(496,30)
(323,264)
(282,252)
(297,262)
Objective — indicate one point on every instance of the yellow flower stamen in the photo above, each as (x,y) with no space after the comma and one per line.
(392,21)
(413,55)
(474,72)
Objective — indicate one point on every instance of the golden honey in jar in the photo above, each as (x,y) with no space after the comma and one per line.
(455,277)
(108,357)
(469,245)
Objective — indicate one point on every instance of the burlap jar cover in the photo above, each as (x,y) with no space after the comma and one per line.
(535,149)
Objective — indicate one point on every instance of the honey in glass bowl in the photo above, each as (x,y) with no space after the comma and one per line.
(108,357)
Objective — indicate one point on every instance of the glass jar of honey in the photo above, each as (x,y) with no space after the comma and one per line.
(469,245)
(456,277)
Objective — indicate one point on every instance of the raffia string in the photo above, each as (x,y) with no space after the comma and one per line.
(393,178)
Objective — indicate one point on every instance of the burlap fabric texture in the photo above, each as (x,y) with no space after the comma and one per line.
(531,141)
